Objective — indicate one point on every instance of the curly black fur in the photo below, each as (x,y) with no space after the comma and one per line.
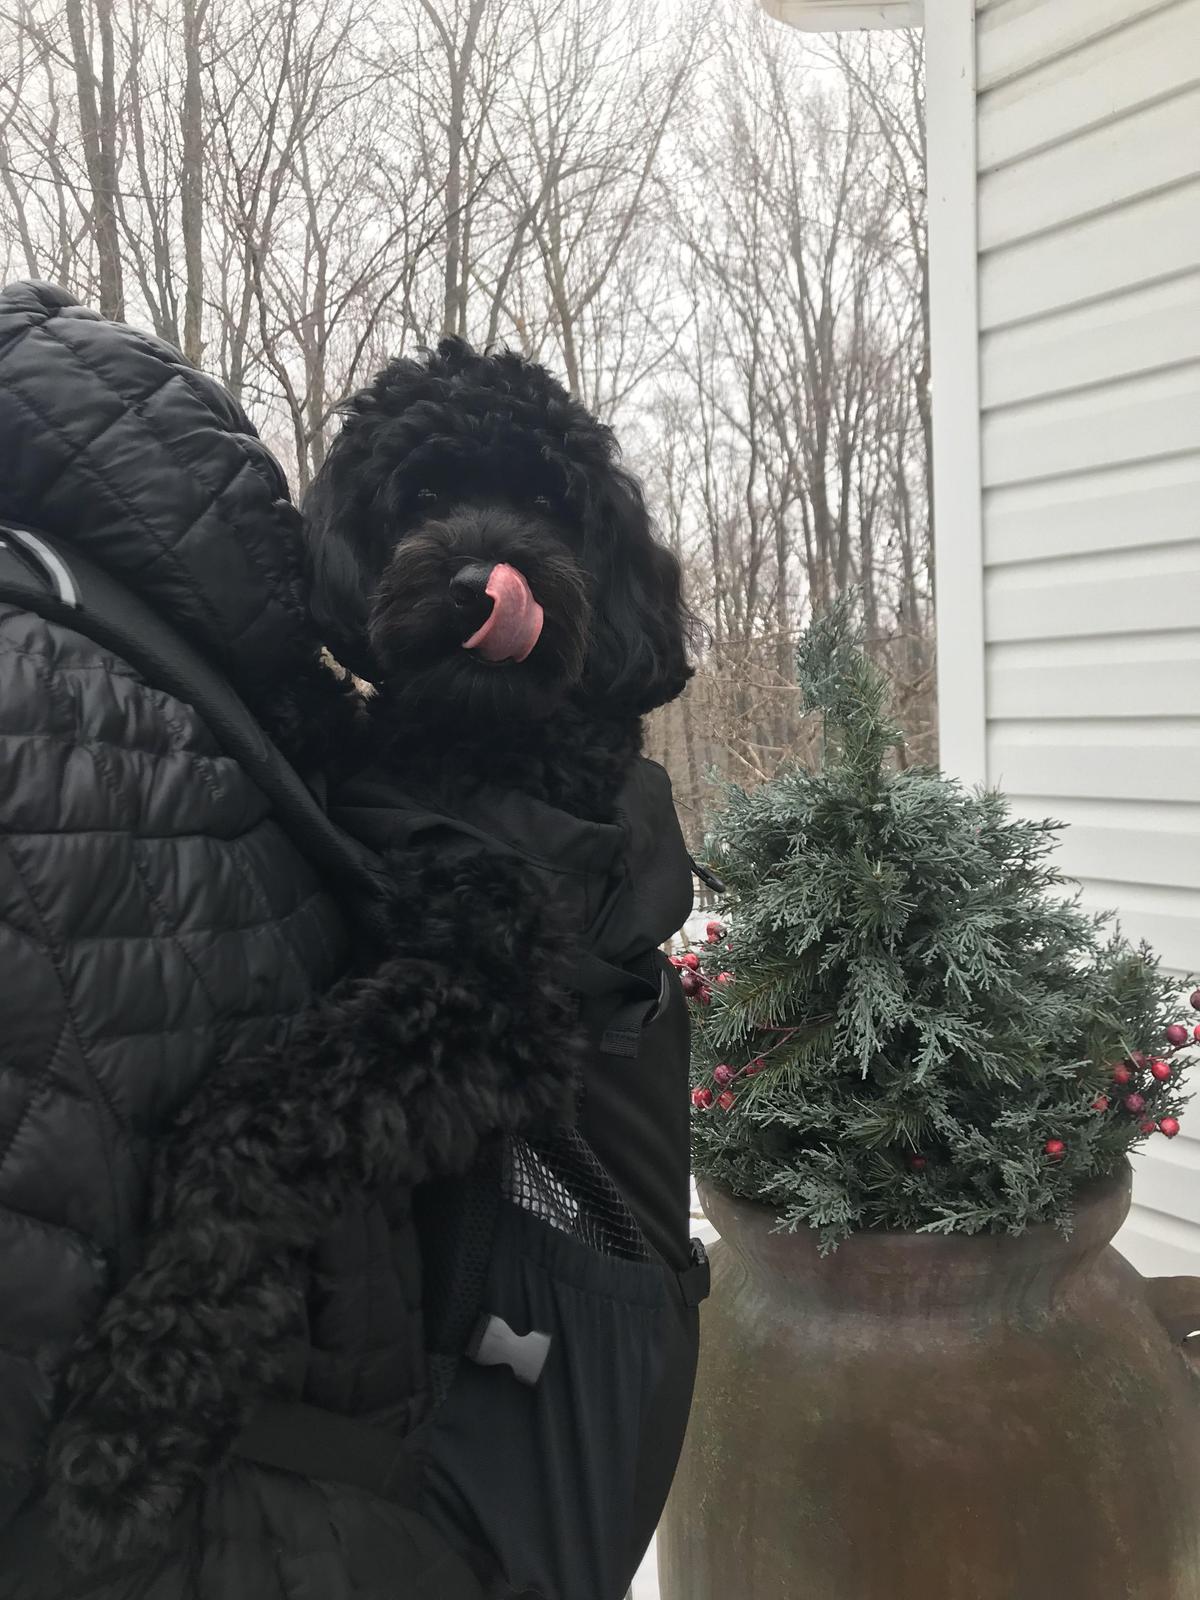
(463,457)
(467,1028)
(311,711)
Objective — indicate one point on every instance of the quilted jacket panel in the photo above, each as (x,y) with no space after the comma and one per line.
(153,917)
(112,441)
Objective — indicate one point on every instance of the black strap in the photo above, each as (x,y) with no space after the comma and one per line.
(67,588)
(707,876)
(623,1036)
(292,1436)
(631,1001)
(695,1281)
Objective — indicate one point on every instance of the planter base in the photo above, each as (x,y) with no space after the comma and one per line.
(938,1419)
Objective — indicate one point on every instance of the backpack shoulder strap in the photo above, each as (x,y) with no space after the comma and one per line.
(40,574)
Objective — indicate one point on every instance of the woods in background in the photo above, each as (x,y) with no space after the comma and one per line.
(713,229)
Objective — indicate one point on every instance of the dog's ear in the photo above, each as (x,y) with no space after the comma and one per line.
(361,485)
(341,579)
(641,627)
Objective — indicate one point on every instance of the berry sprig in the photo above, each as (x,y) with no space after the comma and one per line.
(725,1076)
(695,983)
(1131,1075)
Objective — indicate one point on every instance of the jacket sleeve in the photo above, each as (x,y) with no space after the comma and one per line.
(50,1287)
(152,917)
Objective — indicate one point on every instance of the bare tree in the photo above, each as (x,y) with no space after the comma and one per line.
(13,84)
(458,37)
(89,27)
(714,231)
(802,382)
(888,71)
(322,230)
(192,178)
(581,135)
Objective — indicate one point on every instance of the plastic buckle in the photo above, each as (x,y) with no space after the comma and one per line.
(494,1344)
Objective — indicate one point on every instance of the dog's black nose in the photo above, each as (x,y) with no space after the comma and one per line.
(468,591)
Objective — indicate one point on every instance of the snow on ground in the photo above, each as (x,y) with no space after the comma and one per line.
(692,932)
(645,1585)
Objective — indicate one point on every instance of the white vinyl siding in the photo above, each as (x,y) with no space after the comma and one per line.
(1088,226)
(1017,37)
(1147,240)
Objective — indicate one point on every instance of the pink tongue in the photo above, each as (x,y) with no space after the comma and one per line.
(515,624)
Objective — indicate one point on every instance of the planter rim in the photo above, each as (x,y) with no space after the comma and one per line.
(1097,1192)
(920,1272)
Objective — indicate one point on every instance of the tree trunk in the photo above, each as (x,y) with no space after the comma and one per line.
(192,181)
(97,119)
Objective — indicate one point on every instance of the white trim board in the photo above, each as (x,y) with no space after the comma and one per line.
(835,16)
(954,337)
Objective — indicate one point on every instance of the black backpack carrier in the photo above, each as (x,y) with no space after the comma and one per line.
(560,1286)
(581,1237)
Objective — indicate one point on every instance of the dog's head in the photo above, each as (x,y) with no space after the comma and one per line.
(479,554)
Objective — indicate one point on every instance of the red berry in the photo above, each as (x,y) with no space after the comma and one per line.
(724,977)
(1196,1033)
(702,1099)
(1169,1126)
(1122,1074)
(1177,1034)
(1100,1103)
(724,1075)
(714,929)
(704,995)
(1149,1126)
(690,982)
(1055,1149)
(1196,999)
(1134,1103)
(1161,1070)
(754,1067)
(1140,1058)
(691,960)
(725,1100)
(917,1163)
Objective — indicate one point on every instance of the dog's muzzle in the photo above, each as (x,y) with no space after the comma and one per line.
(499,600)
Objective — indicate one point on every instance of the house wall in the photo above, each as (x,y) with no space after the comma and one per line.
(1069,613)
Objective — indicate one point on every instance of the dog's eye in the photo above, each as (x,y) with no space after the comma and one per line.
(541,502)
(426,494)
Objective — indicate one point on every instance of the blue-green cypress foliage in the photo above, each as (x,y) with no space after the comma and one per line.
(919,1008)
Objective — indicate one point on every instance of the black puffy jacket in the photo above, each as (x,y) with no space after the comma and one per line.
(154,918)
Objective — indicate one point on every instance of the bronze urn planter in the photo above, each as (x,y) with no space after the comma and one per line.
(917,1417)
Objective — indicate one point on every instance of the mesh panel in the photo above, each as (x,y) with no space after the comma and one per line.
(558,1178)
(456,1220)
(442,1372)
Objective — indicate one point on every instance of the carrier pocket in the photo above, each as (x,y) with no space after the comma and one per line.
(538,1451)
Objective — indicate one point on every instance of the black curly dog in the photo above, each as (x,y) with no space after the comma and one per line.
(482,560)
